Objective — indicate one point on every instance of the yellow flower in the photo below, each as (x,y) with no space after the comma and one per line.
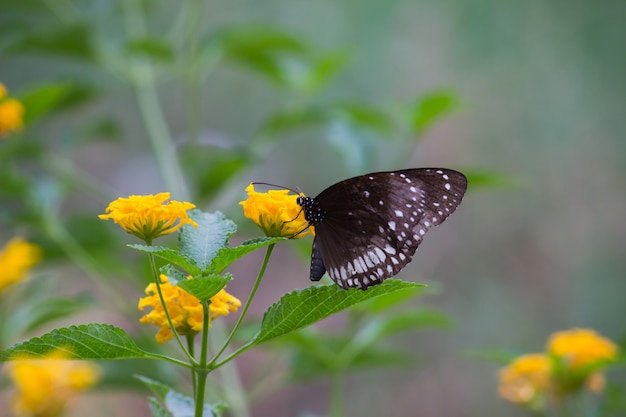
(526,379)
(582,349)
(44,386)
(275,212)
(571,365)
(16,259)
(185,310)
(11,113)
(149,216)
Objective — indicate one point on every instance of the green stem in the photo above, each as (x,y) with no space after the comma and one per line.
(214,363)
(336,394)
(157,280)
(201,371)
(192,80)
(171,360)
(143,80)
(191,346)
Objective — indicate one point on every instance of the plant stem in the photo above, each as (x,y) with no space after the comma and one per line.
(191,337)
(336,394)
(157,280)
(201,371)
(143,80)
(214,363)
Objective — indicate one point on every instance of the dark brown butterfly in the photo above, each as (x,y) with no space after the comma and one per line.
(367,228)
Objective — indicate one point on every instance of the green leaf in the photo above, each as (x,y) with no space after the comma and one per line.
(301,308)
(173,256)
(382,327)
(244,40)
(490,179)
(46,99)
(73,41)
(203,243)
(158,388)
(379,304)
(150,47)
(178,404)
(87,341)
(32,315)
(274,54)
(356,114)
(205,287)
(228,255)
(305,365)
(156,409)
(201,286)
(431,107)
(173,274)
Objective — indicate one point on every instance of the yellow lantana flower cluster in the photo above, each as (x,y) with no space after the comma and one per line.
(149,216)
(526,379)
(276,213)
(45,386)
(16,259)
(11,113)
(572,363)
(581,348)
(185,310)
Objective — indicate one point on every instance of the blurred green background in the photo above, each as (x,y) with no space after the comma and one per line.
(304,94)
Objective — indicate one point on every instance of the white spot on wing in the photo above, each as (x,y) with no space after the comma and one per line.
(381,255)
(390,250)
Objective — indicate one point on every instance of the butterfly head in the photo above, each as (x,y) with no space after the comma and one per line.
(312,211)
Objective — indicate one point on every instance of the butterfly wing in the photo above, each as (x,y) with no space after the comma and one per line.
(373,224)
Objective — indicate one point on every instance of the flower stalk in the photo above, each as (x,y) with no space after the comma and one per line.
(255,286)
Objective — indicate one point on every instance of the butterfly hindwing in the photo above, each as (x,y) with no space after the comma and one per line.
(369,227)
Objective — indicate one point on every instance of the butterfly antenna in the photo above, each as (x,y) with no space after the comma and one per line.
(299,192)
(277,186)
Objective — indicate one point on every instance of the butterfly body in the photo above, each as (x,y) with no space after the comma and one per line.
(367,228)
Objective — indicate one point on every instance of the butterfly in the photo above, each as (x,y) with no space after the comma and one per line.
(367,228)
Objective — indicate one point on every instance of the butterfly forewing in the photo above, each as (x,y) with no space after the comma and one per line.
(369,227)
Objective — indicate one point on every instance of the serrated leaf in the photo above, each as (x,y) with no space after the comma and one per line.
(177,404)
(157,388)
(87,341)
(156,409)
(301,308)
(203,243)
(172,256)
(228,255)
(205,287)
(173,274)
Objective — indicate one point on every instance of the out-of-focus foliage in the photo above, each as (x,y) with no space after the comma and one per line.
(200,98)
